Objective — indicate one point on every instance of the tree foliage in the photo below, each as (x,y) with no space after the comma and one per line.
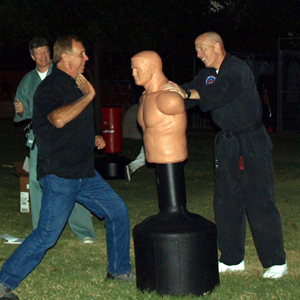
(255,26)
(114,30)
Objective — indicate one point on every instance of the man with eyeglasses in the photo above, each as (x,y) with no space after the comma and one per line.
(244,185)
(80,220)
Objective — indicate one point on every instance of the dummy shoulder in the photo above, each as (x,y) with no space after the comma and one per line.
(170,103)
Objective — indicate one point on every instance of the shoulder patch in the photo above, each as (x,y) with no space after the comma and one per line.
(210,79)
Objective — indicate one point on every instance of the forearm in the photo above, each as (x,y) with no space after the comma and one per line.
(194,95)
(64,114)
(173,87)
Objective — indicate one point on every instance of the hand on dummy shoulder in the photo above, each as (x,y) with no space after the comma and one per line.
(84,85)
(174,87)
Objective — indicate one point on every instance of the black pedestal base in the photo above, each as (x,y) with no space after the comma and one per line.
(176,254)
(111,166)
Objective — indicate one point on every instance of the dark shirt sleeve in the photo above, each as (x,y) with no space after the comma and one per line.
(196,82)
(230,95)
(45,102)
(190,103)
(223,91)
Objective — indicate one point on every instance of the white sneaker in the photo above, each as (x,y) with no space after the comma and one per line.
(232,268)
(88,240)
(276,271)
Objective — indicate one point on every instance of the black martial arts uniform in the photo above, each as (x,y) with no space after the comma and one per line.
(243,162)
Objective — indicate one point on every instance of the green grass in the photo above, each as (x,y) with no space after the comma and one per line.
(71,270)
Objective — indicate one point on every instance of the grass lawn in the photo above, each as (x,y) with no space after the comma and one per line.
(71,270)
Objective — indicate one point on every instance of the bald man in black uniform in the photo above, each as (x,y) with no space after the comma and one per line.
(243,161)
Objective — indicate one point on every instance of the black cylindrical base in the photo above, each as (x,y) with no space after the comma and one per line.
(111,166)
(176,254)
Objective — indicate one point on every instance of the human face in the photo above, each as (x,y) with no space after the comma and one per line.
(77,59)
(140,72)
(207,52)
(41,56)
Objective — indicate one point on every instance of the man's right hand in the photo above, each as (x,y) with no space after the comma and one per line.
(85,86)
(19,107)
(173,87)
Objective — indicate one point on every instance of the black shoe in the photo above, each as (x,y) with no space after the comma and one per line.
(9,295)
(123,277)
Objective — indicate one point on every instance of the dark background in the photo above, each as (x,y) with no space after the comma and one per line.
(113,31)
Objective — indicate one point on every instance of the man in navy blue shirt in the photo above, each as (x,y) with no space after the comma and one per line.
(244,183)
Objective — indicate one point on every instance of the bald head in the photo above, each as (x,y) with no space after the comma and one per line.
(210,49)
(211,37)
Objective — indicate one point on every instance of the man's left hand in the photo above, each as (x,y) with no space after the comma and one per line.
(99,142)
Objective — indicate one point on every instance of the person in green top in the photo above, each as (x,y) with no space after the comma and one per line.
(80,220)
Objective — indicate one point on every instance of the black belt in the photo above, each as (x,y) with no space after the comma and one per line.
(237,133)
(244,130)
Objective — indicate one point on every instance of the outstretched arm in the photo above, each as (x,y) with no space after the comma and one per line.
(173,87)
(66,113)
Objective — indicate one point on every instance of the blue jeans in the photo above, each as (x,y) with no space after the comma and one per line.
(59,196)
(80,220)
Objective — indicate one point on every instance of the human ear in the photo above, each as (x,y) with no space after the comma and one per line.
(218,46)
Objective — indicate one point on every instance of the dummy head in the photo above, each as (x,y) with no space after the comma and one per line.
(145,66)
(210,49)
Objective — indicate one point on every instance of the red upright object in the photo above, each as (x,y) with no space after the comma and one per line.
(112,165)
(112,129)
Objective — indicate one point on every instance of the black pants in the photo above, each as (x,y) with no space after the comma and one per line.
(248,192)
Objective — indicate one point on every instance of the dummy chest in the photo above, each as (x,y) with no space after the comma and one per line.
(151,114)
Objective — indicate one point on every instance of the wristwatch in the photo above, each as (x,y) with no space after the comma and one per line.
(189,93)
